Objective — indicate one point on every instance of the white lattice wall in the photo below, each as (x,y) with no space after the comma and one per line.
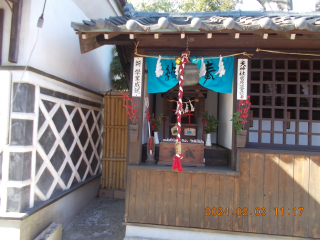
(55,142)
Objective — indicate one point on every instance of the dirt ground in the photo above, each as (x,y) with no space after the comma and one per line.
(101,219)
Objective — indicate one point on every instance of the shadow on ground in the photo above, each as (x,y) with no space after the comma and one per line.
(101,219)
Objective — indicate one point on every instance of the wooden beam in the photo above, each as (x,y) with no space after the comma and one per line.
(110,35)
(89,35)
(122,39)
(15,31)
(87,45)
(291,36)
(157,35)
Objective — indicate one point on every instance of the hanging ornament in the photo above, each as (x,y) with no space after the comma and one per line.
(177,109)
(186,110)
(159,71)
(178,60)
(192,108)
(177,70)
(221,70)
(202,71)
(182,110)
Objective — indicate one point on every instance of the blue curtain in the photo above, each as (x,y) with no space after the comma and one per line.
(211,81)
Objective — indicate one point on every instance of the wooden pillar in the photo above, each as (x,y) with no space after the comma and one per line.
(15,31)
(134,155)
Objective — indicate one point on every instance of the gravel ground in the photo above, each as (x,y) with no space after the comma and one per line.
(101,219)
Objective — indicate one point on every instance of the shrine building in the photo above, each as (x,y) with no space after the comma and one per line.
(253,179)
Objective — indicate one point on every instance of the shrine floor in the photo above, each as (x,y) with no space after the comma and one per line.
(101,219)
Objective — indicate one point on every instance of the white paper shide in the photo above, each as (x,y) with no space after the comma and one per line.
(137,77)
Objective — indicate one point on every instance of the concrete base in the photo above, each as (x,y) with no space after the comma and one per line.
(175,233)
(61,212)
(53,232)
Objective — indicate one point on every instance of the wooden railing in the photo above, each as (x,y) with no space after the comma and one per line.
(115,143)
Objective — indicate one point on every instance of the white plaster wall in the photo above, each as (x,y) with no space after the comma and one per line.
(57,51)
(211,105)
(225,125)
(159,110)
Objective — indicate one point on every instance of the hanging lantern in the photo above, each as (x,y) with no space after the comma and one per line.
(191,74)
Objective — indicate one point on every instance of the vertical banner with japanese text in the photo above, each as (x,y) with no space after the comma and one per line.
(137,77)
(242,79)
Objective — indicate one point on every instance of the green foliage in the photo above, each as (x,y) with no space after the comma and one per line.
(155,123)
(118,80)
(237,121)
(211,123)
(184,6)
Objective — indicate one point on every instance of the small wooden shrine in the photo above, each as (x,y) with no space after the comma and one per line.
(255,189)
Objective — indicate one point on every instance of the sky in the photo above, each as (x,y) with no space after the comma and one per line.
(298,5)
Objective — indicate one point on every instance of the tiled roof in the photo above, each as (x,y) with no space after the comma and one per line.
(141,21)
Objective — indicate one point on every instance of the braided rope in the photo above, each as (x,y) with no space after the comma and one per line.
(178,156)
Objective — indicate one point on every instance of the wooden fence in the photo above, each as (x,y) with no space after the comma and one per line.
(115,143)
(275,194)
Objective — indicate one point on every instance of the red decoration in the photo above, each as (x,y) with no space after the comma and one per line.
(131,111)
(188,114)
(176,163)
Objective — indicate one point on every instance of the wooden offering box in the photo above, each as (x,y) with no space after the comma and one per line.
(193,154)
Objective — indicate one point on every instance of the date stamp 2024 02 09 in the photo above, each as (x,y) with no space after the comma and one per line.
(257,211)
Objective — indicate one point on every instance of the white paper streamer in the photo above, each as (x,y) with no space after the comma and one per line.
(186,110)
(192,108)
(202,71)
(177,70)
(221,70)
(159,71)
(177,108)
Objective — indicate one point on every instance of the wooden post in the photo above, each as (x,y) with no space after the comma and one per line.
(164,128)
(134,155)
(15,31)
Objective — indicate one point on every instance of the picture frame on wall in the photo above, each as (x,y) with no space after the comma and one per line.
(190,132)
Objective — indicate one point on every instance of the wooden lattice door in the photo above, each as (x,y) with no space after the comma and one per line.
(115,143)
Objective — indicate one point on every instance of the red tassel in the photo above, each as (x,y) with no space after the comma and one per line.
(177,163)
(179,166)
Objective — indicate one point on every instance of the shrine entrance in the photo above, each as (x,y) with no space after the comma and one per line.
(196,100)
(193,105)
